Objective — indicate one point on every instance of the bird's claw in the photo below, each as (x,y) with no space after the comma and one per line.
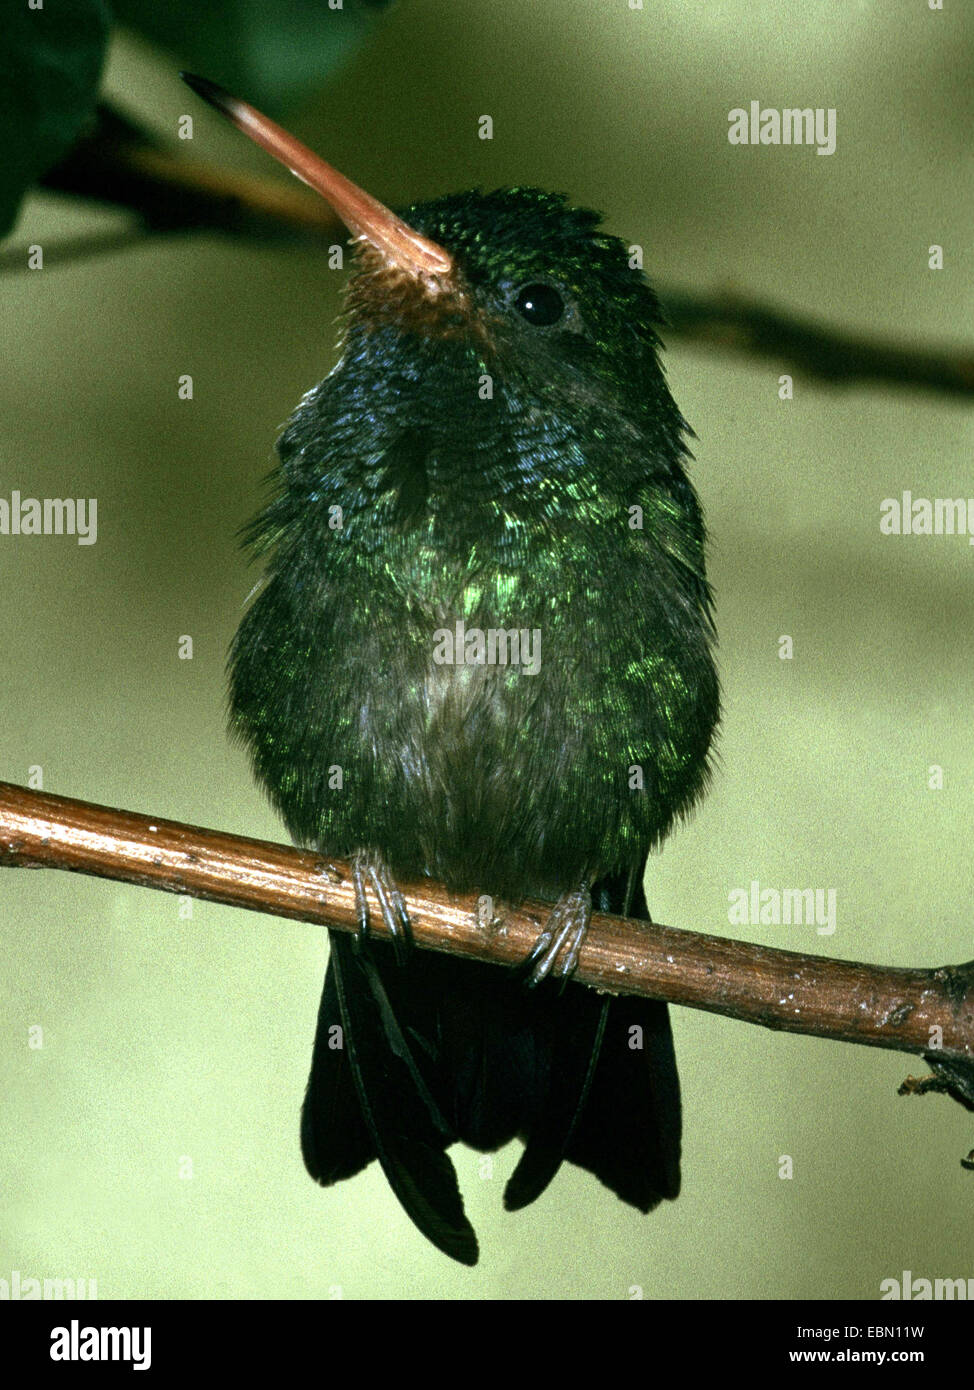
(369,870)
(556,949)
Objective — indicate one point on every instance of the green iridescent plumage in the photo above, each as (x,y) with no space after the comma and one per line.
(514,511)
(465,464)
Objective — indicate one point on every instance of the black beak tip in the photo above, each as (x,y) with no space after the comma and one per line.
(210,91)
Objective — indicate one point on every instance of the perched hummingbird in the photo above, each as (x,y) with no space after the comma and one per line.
(482,652)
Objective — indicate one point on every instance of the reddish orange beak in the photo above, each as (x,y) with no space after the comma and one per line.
(362,214)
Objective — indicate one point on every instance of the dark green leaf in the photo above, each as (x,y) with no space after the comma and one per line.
(270,52)
(50,62)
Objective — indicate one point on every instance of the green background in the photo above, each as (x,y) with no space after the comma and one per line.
(167,1038)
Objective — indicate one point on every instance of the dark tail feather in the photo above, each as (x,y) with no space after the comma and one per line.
(629,1132)
(371,1097)
(335,1140)
(566,1066)
(409,1058)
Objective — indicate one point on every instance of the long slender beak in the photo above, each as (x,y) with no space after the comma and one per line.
(361,213)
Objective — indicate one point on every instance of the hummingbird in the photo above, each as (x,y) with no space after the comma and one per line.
(482,652)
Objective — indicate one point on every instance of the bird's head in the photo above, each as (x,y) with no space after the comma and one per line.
(515,284)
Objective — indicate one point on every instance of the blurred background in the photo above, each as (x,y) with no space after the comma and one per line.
(152,1142)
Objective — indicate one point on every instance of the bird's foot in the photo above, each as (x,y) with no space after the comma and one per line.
(370,870)
(556,949)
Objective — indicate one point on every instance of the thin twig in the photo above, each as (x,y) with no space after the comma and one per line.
(120,165)
(879,1006)
(829,354)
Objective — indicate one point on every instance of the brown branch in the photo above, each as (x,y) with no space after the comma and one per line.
(829,354)
(880,1006)
(120,164)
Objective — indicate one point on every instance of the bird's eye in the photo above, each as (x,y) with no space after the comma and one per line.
(540,304)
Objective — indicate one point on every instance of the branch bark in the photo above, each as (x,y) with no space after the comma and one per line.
(121,165)
(879,1006)
(732,322)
